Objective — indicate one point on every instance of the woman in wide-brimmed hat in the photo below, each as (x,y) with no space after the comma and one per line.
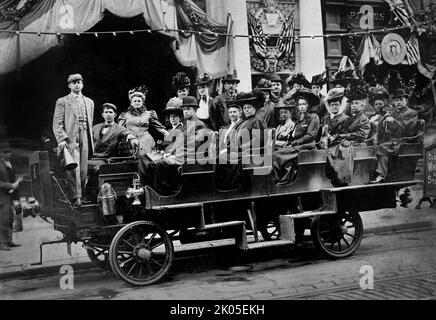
(266,113)
(138,121)
(247,141)
(302,138)
(286,125)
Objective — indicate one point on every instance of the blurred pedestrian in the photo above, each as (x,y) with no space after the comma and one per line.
(8,193)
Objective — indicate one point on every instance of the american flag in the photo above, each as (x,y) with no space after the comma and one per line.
(402,10)
(285,44)
(257,40)
(412,51)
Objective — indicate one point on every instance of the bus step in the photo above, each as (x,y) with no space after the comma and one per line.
(307,214)
(266,244)
(222,225)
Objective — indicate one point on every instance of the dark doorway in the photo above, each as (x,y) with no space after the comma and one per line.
(111,66)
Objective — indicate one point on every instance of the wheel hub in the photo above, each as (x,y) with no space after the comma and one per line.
(344,229)
(144,254)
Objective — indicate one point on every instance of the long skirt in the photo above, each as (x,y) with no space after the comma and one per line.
(285,163)
(160,175)
(340,161)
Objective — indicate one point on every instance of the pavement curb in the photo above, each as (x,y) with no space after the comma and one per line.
(400,227)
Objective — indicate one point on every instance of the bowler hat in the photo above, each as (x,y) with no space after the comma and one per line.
(308,95)
(204,79)
(189,101)
(230,78)
(109,106)
(5,146)
(275,78)
(74,77)
(399,93)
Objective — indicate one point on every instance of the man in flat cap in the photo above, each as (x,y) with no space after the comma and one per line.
(72,124)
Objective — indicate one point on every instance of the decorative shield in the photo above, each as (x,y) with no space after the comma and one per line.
(393,48)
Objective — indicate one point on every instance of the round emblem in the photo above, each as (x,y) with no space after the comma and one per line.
(393,48)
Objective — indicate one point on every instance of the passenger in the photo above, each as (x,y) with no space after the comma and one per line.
(230,83)
(174,112)
(108,134)
(138,121)
(107,137)
(164,175)
(251,126)
(208,112)
(266,113)
(286,126)
(402,122)
(335,103)
(302,138)
(246,136)
(320,110)
(273,87)
(338,167)
(378,98)
(235,113)
(181,84)
(357,127)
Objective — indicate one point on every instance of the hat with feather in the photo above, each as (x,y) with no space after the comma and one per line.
(378,93)
(180,81)
(319,79)
(298,78)
(357,91)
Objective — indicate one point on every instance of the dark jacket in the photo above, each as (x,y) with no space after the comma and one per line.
(216,116)
(305,130)
(223,101)
(250,133)
(356,128)
(404,125)
(107,145)
(7,177)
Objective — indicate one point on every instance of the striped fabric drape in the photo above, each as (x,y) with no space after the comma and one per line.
(257,41)
(402,10)
(286,45)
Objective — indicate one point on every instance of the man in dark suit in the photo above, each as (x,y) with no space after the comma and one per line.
(108,134)
(72,124)
(8,192)
(107,137)
(230,83)
(401,122)
(208,112)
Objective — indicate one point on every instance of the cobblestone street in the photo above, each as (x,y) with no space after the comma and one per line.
(404,267)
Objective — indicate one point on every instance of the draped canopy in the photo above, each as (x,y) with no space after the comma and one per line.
(207,52)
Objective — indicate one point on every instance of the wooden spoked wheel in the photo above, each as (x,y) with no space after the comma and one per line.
(337,235)
(270,231)
(141,253)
